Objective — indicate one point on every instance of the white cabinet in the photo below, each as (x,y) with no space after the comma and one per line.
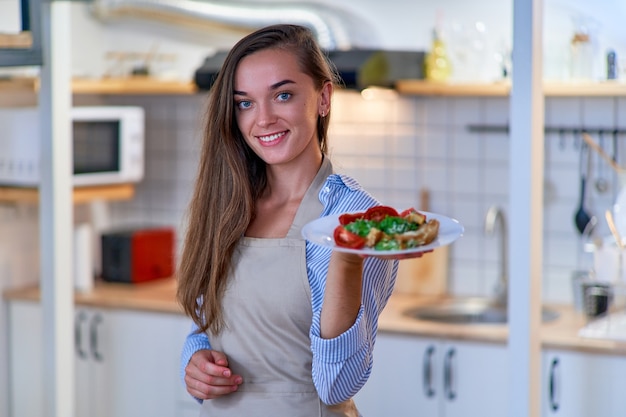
(127,362)
(577,384)
(416,376)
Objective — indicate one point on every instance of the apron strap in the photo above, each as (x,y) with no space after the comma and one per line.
(311,207)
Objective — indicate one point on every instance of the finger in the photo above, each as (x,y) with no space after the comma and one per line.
(207,392)
(210,373)
(219,358)
(211,362)
(210,387)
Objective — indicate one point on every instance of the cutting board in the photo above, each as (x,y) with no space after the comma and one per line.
(427,275)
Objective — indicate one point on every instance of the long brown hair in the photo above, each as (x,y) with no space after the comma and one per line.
(231,176)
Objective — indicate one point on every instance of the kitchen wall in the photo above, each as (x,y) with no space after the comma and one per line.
(411,141)
(396,145)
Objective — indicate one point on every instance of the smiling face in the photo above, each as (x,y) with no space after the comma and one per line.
(277,106)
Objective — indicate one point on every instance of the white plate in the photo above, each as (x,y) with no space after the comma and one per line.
(320,232)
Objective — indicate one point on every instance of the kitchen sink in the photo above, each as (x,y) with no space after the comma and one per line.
(474,310)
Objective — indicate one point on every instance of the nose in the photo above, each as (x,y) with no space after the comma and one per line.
(265,115)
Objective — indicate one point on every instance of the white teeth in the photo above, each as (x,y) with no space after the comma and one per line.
(270,137)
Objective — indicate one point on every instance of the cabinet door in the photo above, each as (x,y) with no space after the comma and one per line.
(475,379)
(141,351)
(26,359)
(404,380)
(582,384)
(126,362)
(86,363)
(414,376)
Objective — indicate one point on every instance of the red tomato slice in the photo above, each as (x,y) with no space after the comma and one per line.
(378,213)
(408,211)
(347,239)
(349,218)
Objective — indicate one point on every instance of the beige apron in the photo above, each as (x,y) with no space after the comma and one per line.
(267,308)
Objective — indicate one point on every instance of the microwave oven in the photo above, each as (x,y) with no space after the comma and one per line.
(107,145)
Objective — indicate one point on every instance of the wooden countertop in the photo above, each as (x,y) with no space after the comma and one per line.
(159,296)
(561,333)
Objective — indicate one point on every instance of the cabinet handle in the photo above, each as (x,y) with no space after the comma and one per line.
(427,374)
(448,374)
(553,385)
(78,335)
(93,335)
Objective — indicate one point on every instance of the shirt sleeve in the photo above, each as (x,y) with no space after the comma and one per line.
(342,365)
(193,343)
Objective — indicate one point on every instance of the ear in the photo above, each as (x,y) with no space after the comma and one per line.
(325,96)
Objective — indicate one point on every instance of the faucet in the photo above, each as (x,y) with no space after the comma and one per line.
(496,215)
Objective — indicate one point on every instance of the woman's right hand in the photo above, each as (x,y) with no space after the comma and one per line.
(207,375)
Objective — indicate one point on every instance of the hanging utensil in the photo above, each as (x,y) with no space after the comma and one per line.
(594,145)
(582,216)
(601,183)
(618,241)
(615,133)
(616,235)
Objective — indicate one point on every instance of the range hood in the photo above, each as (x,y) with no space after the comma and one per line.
(358,68)
(334,27)
(346,38)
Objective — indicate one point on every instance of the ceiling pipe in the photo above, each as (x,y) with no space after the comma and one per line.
(334,28)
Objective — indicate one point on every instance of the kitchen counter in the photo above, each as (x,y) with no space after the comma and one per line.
(159,296)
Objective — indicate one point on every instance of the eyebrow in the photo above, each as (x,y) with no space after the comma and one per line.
(272,87)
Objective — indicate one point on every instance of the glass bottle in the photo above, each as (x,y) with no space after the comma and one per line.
(437,64)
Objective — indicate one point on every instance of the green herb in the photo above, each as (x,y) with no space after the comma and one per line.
(387,244)
(392,225)
(361,227)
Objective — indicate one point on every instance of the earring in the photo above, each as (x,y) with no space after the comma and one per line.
(323,113)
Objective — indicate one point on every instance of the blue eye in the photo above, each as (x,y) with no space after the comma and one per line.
(284,96)
(244,104)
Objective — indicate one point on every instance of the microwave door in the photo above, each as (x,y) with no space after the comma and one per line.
(97,152)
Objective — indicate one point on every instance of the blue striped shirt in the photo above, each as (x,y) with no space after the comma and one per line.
(341,365)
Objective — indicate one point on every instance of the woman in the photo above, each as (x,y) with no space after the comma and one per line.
(281,327)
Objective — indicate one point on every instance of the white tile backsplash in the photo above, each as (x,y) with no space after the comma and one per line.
(598,111)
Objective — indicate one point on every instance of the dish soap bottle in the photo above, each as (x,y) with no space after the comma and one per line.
(437,65)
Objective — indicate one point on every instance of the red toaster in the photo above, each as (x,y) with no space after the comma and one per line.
(138,255)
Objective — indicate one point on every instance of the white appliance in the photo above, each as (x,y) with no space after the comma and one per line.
(107,146)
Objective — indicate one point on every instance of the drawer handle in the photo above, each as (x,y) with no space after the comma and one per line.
(448,375)
(553,385)
(93,334)
(427,375)
(78,335)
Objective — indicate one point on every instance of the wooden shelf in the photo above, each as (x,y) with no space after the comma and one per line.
(22,40)
(132,85)
(114,86)
(503,89)
(81,194)
(427,88)
(26,88)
